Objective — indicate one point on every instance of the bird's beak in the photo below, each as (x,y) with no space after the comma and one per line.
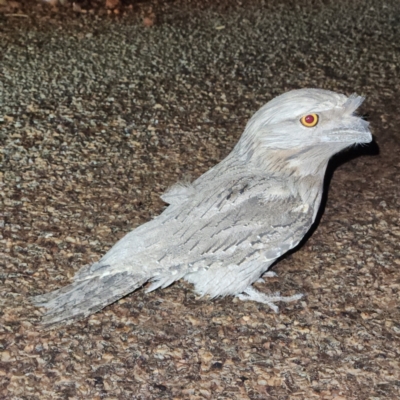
(357,129)
(352,131)
(360,133)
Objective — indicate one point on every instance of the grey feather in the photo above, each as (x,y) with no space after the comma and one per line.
(223,231)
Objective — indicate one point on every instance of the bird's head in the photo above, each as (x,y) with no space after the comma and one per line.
(300,130)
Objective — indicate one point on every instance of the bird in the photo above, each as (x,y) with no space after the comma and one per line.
(223,231)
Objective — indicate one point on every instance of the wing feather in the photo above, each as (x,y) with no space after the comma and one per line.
(250,220)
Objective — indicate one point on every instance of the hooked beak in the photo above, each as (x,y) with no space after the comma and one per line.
(354,133)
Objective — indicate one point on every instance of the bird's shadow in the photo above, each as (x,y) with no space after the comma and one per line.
(371,149)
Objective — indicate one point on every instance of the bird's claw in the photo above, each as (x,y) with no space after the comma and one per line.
(251,294)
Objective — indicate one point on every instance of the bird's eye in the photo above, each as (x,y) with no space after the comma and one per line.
(309,120)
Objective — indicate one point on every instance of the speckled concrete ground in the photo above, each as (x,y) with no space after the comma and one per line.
(99,113)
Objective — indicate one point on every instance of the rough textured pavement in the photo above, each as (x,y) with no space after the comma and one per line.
(100,113)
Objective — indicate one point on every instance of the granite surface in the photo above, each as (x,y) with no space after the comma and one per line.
(101,109)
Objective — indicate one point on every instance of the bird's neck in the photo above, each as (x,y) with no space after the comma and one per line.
(303,169)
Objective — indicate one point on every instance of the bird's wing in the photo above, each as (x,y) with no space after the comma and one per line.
(218,225)
(251,219)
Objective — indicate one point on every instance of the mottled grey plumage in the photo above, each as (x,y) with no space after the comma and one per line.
(223,231)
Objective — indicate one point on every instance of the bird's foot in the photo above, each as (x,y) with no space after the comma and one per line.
(253,295)
(269,274)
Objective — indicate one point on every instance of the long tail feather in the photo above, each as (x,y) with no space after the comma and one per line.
(85,297)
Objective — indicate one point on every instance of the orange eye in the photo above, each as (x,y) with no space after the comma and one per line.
(309,120)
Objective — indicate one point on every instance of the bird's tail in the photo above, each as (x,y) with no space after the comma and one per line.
(86,296)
